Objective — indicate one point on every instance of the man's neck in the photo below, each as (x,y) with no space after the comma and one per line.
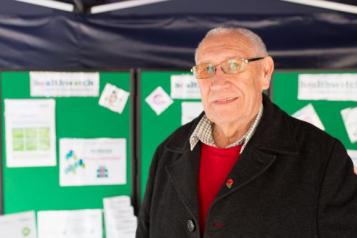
(228,133)
(225,135)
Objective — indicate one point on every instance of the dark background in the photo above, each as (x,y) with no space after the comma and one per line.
(164,35)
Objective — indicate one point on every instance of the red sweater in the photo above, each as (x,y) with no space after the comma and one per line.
(215,165)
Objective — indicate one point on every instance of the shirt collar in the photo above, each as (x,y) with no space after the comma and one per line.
(203,133)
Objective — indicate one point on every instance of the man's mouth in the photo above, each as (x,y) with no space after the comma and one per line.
(225,100)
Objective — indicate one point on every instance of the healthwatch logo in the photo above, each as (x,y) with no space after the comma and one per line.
(64,84)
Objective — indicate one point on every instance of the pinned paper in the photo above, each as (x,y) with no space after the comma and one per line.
(190,110)
(353,155)
(119,217)
(30,132)
(309,115)
(92,161)
(64,84)
(336,87)
(114,98)
(70,224)
(184,86)
(18,225)
(349,116)
(159,100)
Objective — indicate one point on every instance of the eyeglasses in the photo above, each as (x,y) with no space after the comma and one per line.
(229,66)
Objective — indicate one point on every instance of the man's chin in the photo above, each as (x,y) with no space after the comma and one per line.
(223,118)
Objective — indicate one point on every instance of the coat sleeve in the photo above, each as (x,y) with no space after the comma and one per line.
(337,203)
(143,229)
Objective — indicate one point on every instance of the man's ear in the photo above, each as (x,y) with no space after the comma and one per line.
(268,68)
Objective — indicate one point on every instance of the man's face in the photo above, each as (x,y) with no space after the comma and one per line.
(232,98)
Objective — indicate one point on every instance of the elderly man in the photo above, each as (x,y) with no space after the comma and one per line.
(244,168)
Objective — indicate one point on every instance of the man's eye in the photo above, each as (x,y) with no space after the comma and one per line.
(210,69)
(233,66)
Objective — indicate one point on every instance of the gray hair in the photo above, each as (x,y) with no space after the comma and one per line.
(255,40)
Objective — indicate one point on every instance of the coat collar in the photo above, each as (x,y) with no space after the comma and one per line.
(272,134)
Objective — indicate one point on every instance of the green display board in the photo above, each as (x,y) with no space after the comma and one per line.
(155,128)
(285,94)
(38,188)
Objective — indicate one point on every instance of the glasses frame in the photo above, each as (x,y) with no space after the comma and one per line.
(243,60)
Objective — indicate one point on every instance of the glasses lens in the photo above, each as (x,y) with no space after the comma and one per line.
(232,66)
(204,71)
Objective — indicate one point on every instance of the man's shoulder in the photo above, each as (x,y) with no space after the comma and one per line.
(278,129)
(307,133)
(293,126)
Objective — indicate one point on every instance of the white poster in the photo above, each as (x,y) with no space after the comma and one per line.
(335,87)
(189,111)
(113,98)
(70,224)
(100,161)
(18,225)
(349,116)
(309,115)
(64,84)
(158,100)
(184,86)
(30,132)
(119,217)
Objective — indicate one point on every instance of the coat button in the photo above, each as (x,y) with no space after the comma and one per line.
(190,225)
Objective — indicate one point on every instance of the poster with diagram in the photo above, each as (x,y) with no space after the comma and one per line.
(99,161)
(30,132)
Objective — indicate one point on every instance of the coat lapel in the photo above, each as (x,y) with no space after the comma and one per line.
(250,166)
(183,175)
(271,138)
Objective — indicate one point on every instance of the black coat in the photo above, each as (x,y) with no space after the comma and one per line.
(292,180)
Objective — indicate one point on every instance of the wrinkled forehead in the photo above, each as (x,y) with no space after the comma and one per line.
(225,41)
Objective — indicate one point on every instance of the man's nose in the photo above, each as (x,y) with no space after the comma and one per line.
(219,81)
